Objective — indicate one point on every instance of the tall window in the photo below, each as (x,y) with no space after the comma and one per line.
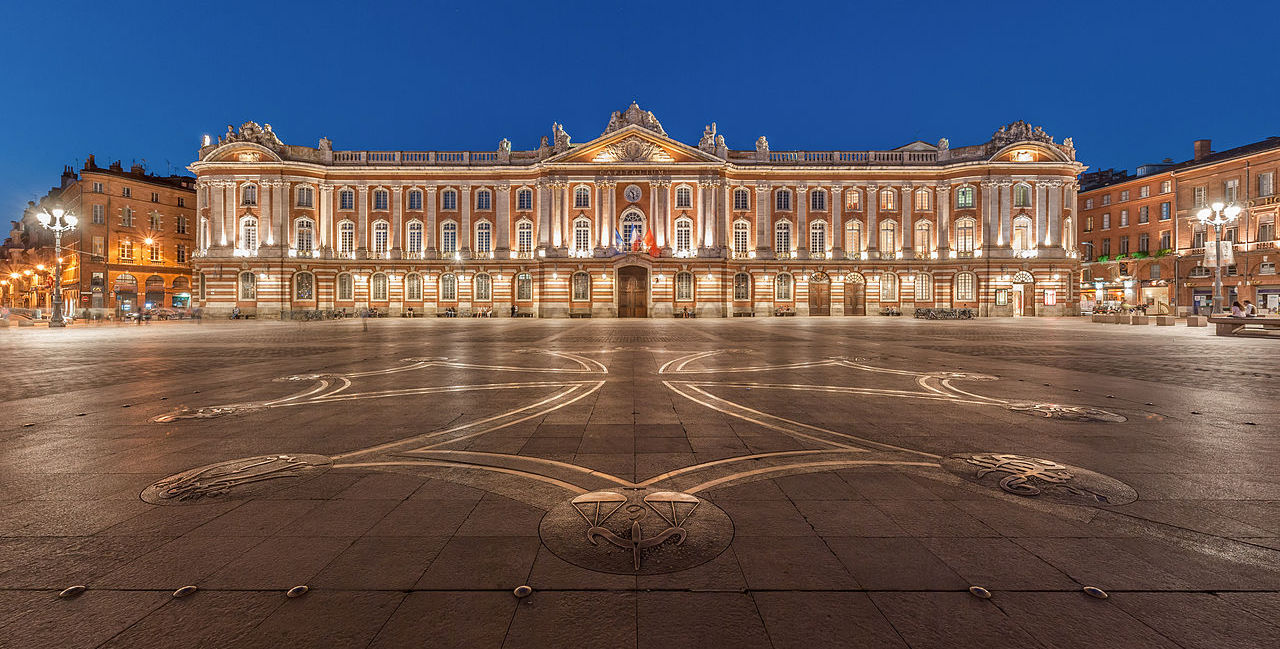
(684,286)
(413,242)
(449,237)
(1144,191)
(346,287)
(524,199)
(818,200)
(304,235)
(923,239)
(684,235)
(782,237)
(180,253)
(582,234)
(964,197)
(126,217)
(888,200)
(581,197)
(1144,214)
(888,287)
(381,236)
(483,288)
(304,286)
(1144,242)
(449,200)
(782,287)
(413,287)
(1022,234)
(853,199)
(965,287)
(449,287)
(741,199)
(1165,211)
(741,236)
(126,250)
(888,236)
(155,222)
(581,286)
(380,199)
(484,200)
(524,237)
(249,195)
(783,199)
(684,198)
(965,234)
(378,287)
(346,200)
(248,286)
(922,199)
(415,200)
(524,287)
(126,192)
(924,287)
(1022,195)
(249,233)
(1267,183)
(741,287)
(1165,240)
(1124,218)
(1230,190)
(484,237)
(855,236)
(181,227)
(346,237)
(1266,231)
(818,236)
(1106,221)
(155,253)
(632,228)
(99,214)
(1199,196)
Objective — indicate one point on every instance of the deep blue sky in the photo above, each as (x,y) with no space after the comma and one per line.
(1130,81)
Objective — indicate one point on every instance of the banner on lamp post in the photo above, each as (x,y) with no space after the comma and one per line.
(1221,253)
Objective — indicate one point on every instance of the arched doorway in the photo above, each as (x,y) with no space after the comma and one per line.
(1024,294)
(819,294)
(855,294)
(633,292)
(126,291)
(154,298)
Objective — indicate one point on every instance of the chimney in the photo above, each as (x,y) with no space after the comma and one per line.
(1202,148)
(90,164)
(115,166)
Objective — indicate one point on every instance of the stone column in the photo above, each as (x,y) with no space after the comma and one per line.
(837,222)
(802,222)
(266,195)
(763,243)
(1006,213)
(217,218)
(430,232)
(362,222)
(722,230)
(943,198)
(464,230)
(1053,238)
(606,210)
(503,225)
(1041,224)
(908,224)
(397,220)
(661,219)
(557,237)
(989,218)
(873,229)
(326,215)
(543,210)
(229,229)
(283,216)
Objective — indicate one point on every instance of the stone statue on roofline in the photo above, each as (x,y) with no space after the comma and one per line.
(708,141)
(561,137)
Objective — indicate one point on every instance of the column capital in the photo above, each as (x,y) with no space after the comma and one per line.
(762,187)
(431,189)
(504,186)
(836,189)
(363,189)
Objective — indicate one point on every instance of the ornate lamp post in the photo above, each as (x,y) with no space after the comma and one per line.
(58,221)
(1218,215)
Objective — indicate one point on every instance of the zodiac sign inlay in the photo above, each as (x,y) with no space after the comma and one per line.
(239,478)
(682,507)
(1032,476)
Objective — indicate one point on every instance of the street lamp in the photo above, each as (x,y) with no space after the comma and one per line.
(58,221)
(1218,215)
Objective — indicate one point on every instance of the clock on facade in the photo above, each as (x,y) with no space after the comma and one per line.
(631,193)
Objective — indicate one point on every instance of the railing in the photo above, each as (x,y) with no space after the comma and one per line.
(782,254)
(853,157)
(817,255)
(415,157)
(522,254)
(741,254)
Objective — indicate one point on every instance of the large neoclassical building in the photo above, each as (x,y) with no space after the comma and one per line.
(636,224)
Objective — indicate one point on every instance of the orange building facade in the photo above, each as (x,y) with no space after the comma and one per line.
(636,224)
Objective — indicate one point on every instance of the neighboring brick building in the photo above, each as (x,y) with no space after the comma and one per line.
(109,264)
(1127,235)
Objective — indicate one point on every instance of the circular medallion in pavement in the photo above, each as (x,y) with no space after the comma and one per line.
(1035,477)
(233,479)
(208,412)
(636,531)
(1069,413)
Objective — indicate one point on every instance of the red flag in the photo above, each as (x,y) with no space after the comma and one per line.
(651,244)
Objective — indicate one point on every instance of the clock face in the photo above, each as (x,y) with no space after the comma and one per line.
(632,193)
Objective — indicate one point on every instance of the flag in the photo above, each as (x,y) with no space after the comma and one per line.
(619,243)
(635,240)
(651,244)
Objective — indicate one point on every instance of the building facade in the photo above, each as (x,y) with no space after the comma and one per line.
(1171,267)
(131,248)
(634,223)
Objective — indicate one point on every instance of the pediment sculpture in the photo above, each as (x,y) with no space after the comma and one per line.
(251,132)
(634,115)
(635,149)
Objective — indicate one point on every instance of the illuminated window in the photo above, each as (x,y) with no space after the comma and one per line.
(378,287)
(413,242)
(483,288)
(484,237)
(888,200)
(684,286)
(304,286)
(924,287)
(448,287)
(249,195)
(449,237)
(413,287)
(741,236)
(922,199)
(582,197)
(581,287)
(524,237)
(381,237)
(1022,239)
(888,236)
(684,235)
(854,236)
(888,287)
(1051,296)
(248,286)
(346,237)
(818,236)
(742,287)
(782,237)
(582,234)
(853,199)
(524,287)
(782,287)
(924,237)
(965,234)
(346,287)
(249,233)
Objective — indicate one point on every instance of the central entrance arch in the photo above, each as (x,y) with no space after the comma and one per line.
(633,292)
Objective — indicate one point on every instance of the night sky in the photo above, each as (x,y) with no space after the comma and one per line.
(1131,82)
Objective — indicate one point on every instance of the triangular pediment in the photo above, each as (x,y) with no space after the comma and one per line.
(633,144)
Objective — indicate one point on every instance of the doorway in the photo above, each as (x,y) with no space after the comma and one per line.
(633,292)
(819,294)
(1024,299)
(855,295)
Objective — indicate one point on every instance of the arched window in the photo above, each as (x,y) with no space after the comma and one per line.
(1022,239)
(924,287)
(413,287)
(684,286)
(413,242)
(854,236)
(582,234)
(964,197)
(415,199)
(304,286)
(249,194)
(581,197)
(818,236)
(346,200)
(524,199)
(381,237)
(524,287)
(782,287)
(923,196)
(484,200)
(248,286)
(888,236)
(783,199)
(1022,195)
(381,199)
(449,287)
(818,200)
(923,240)
(888,287)
(248,233)
(378,287)
(741,287)
(888,199)
(448,200)
(965,229)
(782,237)
(346,237)
(581,286)
(482,288)
(484,237)
(449,237)
(741,199)
(852,199)
(632,228)
(741,236)
(524,237)
(684,197)
(304,235)
(684,235)
(965,287)
(346,287)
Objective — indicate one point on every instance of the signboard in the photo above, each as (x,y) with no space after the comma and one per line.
(1213,258)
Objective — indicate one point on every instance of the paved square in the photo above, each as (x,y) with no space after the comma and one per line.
(767,482)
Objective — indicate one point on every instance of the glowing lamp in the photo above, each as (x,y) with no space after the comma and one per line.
(1217,207)
(43,218)
(39,266)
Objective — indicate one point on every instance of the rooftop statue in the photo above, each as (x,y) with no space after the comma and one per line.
(634,115)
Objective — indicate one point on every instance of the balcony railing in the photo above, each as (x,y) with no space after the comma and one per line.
(416,157)
(853,157)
